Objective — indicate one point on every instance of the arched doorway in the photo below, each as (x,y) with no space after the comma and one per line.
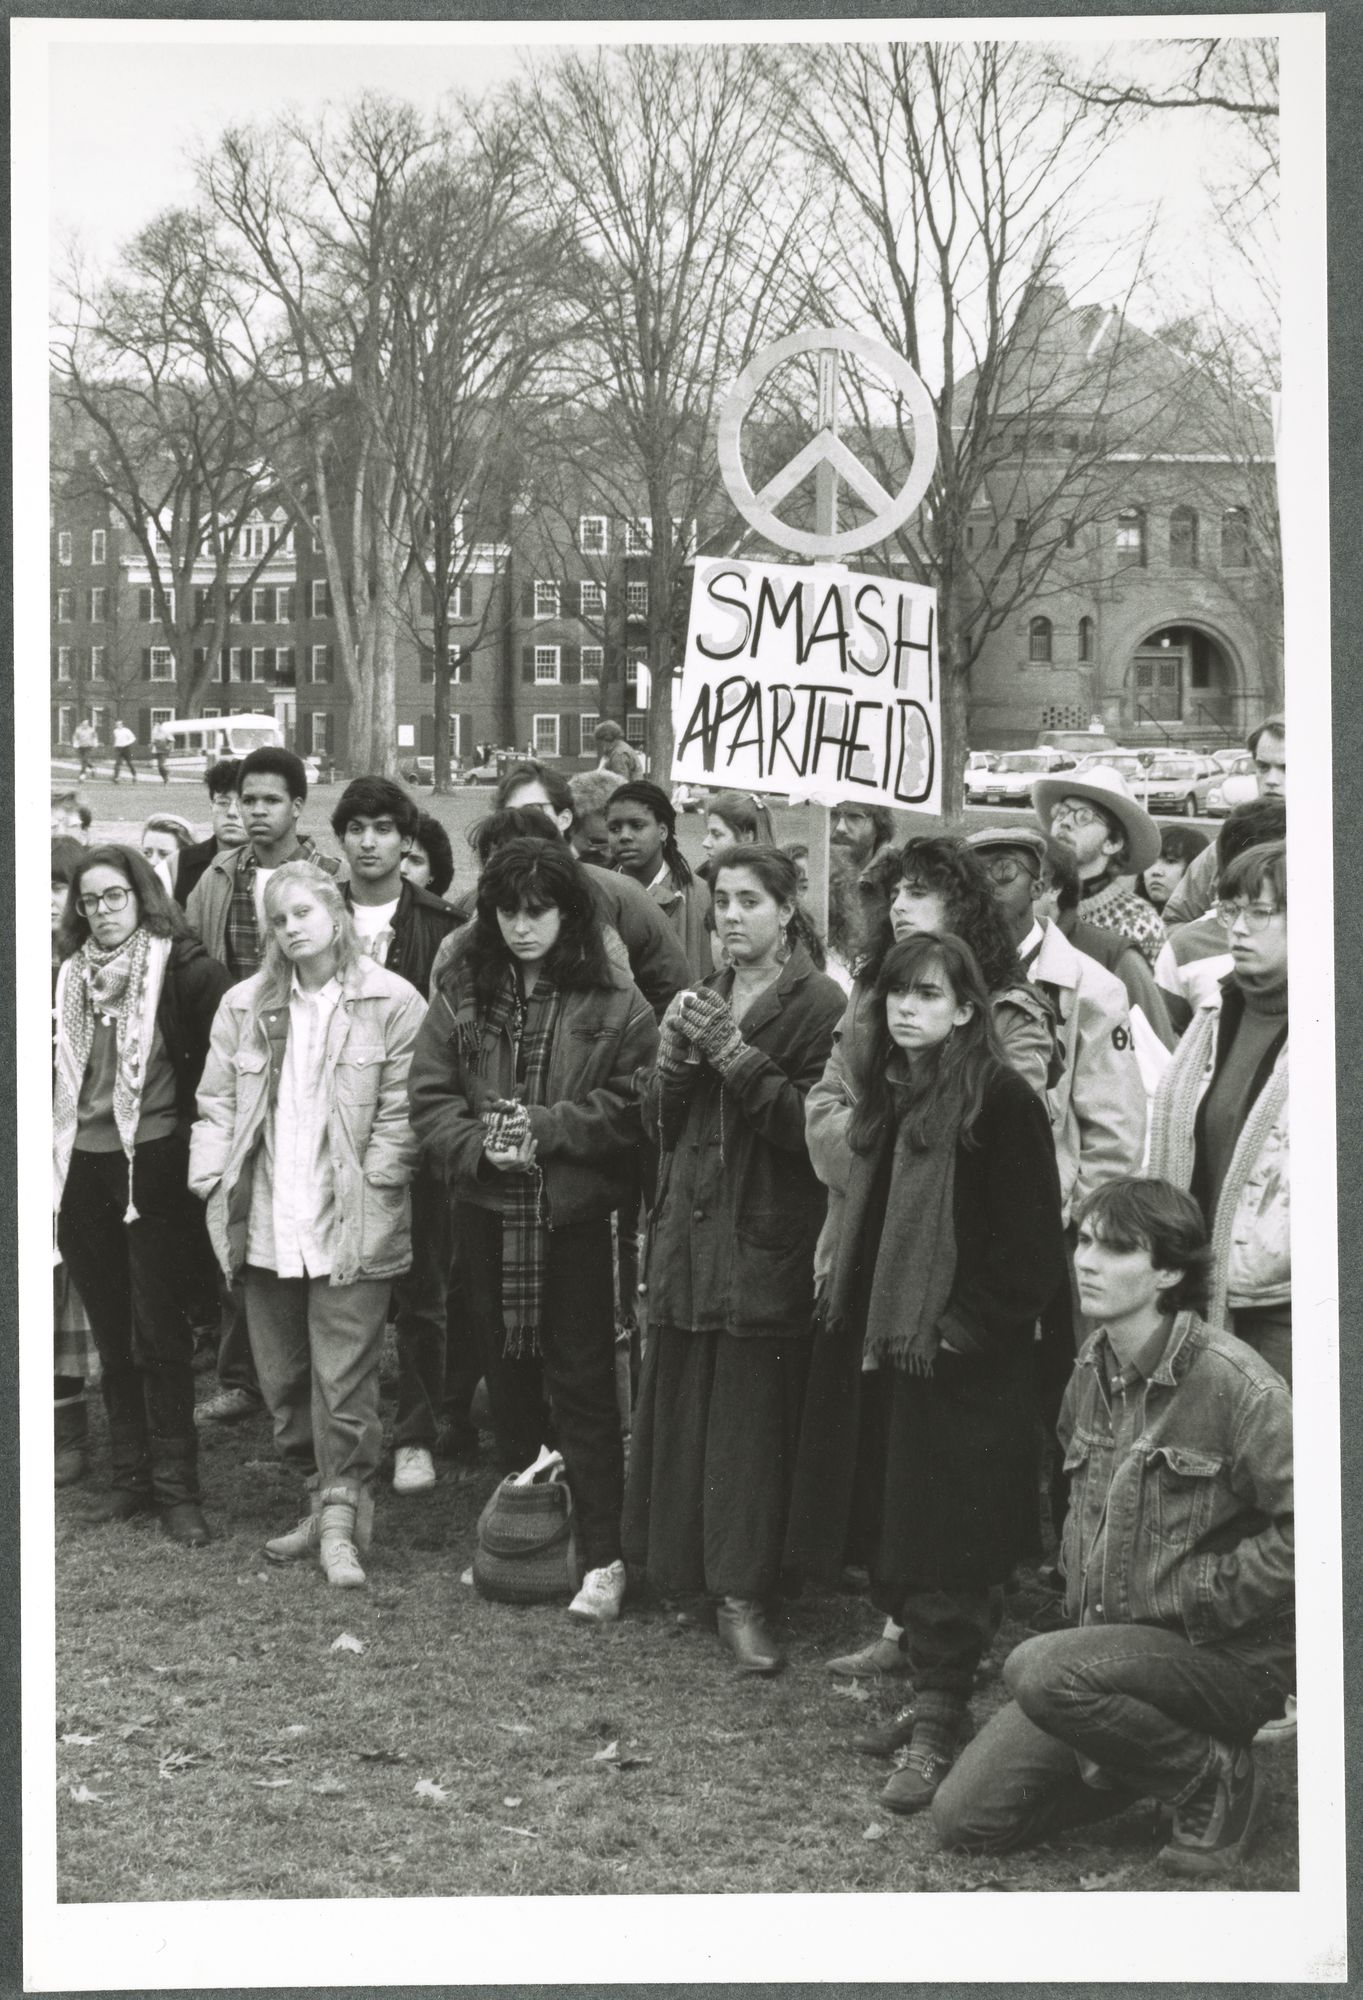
(1182,673)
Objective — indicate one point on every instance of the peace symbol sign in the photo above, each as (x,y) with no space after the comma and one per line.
(826,455)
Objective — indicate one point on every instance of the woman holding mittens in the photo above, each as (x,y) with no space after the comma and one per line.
(730,1266)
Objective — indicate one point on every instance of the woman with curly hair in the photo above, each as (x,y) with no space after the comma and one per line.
(735,819)
(920,1381)
(523,1093)
(641,822)
(135,1001)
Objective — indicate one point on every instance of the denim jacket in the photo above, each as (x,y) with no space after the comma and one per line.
(1180,1508)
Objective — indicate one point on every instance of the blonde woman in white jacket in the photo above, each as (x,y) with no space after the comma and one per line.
(1220,1119)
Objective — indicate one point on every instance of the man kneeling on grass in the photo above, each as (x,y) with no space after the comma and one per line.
(1178,1562)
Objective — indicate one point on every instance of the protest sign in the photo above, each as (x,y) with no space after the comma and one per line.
(814,680)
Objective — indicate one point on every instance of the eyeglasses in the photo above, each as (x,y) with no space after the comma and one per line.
(112,900)
(1077,815)
(1005,868)
(1256,917)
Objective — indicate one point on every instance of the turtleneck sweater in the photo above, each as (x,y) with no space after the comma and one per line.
(1237,1081)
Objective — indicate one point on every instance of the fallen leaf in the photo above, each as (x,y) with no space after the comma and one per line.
(328,1788)
(608,1755)
(511,1804)
(262,1576)
(852,1690)
(347,1643)
(875,1831)
(270,1784)
(382,1756)
(611,1757)
(515,1728)
(74,1738)
(84,1797)
(176,1761)
(1104,1881)
(525,1832)
(131,1729)
(275,1757)
(296,1729)
(467,1577)
(426,1788)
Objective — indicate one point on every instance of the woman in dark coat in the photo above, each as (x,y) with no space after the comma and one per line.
(136,997)
(951,1244)
(731,1256)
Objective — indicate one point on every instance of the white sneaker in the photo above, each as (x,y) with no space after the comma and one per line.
(413,1469)
(1282,1728)
(601,1595)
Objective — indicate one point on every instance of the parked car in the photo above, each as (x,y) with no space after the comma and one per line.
(1239,785)
(1076,742)
(981,760)
(1179,784)
(1010,782)
(1134,766)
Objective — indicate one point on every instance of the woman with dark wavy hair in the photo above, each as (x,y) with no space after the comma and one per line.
(920,1382)
(136,996)
(523,1094)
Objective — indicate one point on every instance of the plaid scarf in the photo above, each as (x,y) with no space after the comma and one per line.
(1117,907)
(124,985)
(525,1226)
(243,945)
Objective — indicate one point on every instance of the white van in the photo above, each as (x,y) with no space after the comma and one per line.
(202,740)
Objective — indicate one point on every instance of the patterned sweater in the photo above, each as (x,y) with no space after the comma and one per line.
(1117,907)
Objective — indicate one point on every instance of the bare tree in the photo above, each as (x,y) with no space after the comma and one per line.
(173,429)
(957,172)
(662,168)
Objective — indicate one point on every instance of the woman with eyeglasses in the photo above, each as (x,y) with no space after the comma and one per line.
(135,1004)
(1220,1120)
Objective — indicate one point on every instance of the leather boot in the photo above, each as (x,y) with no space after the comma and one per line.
(743,1628)
(175,1484)
(71,1427)
(339,1556)
(130,1479)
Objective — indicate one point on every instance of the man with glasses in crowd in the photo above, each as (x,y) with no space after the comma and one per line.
(1113,839)
(1196,893)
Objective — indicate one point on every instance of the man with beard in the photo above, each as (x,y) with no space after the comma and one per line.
(856,834)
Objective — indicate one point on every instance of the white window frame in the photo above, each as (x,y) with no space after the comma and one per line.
(283,591)
(161,656)
(591,676)
(597,607)
(65,725)
(638,538)
(257,663)
(548,666)
(209,714)
(66,607)
(314,678)
(97,662)
(593,534)
(586,729)
(160,715)
(636,600)
(99,603)
(262,604)
(64,548)
(549,722)
(318,547)
(548,598)
(318,583)
(636,657)
(64,663)
(99,547)
(636,729)
(318,725)
(235,658)
(99,717)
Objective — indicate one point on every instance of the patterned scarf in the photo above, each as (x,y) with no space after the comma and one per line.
(525,1226)
(124,986)
(1117,907)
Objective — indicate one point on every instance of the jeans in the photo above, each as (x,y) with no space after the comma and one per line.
(121,757)
(317,1348)
(1134,1707)
(130,1278)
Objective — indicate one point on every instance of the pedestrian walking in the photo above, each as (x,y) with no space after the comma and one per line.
(84,742)
(124,740)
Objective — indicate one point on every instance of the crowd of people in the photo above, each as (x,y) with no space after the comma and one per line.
(909,1253)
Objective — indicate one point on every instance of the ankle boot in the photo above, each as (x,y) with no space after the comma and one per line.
(339,1556)
(130,1480)
(71,1427)
(743,1628)
(175,1487)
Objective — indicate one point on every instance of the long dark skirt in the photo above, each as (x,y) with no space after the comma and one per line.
(711,1459)
(931,1477)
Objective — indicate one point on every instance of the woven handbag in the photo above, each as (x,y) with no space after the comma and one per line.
(527,1550)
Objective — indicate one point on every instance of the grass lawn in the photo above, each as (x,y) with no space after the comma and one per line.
(234,1752)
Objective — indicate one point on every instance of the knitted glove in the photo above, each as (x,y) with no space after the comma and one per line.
(713,1029)
(506,1123)
(673,1066)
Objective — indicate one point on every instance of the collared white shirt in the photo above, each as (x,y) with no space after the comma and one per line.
(293,1199)
(1031,944)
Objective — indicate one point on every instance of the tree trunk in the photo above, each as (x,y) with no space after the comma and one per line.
(440,635)
(955,691)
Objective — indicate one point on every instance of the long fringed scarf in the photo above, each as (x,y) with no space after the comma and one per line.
(124,986)
(525,1224)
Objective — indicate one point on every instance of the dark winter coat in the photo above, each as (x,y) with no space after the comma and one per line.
(739,1207)
(190,865)
(958,1500)
(190,992)
(421,923)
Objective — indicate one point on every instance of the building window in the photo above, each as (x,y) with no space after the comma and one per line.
(258,671)
(63,663)
(99,716)
(546,599)
(593,661)
(636,730)
(586,730)
(255,539)
(592,536)
(284,671)
(99,542)
(262,605)
(64,546)
(99,598)
(146,605)
(321,598)
(66,606)
(1235,539)
(636,600)
(1085,638)
(1183,538)
(1039,641)
(283,604)
(236,664)
(319,664)
(209,714)
(593,600)
(66,722)
(162,663)
(1131,539)
(546,664)
(545,735)
(317,545)
(160,715)
(97,663)
(636,657)
(638,538)
(320,726)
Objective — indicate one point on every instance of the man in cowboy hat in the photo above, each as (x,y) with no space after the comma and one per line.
(1112,839)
